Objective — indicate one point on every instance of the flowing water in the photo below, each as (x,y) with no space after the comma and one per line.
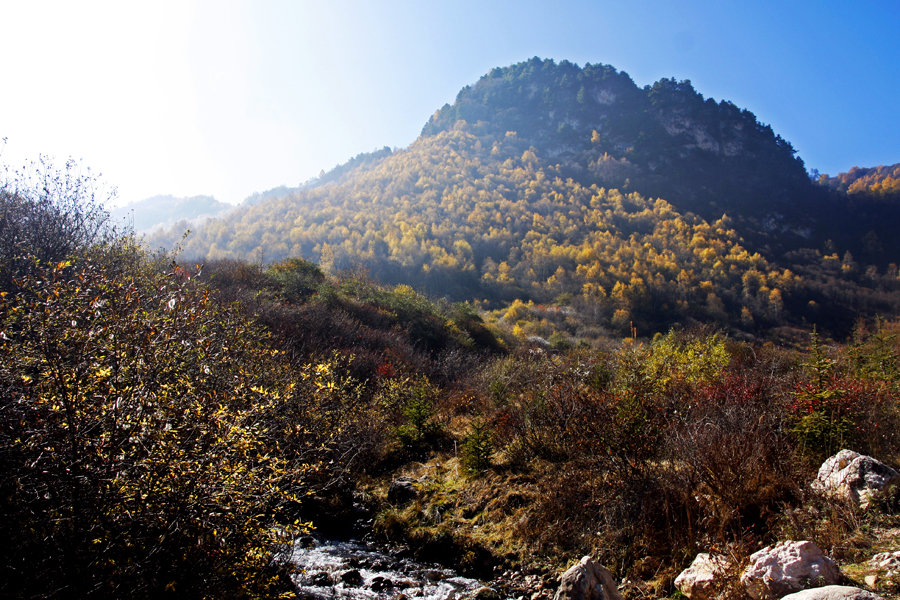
(332,569)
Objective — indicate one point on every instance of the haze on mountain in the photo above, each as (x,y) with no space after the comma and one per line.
(164,211)
(550,182)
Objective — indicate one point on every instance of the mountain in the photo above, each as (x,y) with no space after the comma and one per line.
(572,187)
(164,211)
(661,140)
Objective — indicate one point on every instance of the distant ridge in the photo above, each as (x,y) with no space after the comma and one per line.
(164,211)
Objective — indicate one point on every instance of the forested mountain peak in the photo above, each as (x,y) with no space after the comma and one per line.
(665,139)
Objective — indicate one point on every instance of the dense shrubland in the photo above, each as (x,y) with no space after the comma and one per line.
(144,433)
(646,453)
(161,435)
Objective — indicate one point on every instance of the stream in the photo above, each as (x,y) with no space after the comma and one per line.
(353,569)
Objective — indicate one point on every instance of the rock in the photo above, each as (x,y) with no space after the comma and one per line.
(833,592)
(870,580)
(887,561)
(321,579)
(486,593)
(433,575)
(587,581)
(788,567)
(701,580)
(381,583)
(352,577)
(306,541)
(402,490)
(854,477)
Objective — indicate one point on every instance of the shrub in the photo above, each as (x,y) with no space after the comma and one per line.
(875,354)
(299,278)
(411,401)
(830,412)
(46,215)
(477,449)
(135,437)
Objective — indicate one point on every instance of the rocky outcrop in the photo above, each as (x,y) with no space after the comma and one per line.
(587,580)
(788,567)
(402,490)
(854,477)
(704,577)
(833,592)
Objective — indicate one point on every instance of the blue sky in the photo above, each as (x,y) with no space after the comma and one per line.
(228,97)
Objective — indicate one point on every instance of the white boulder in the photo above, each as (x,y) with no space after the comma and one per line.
(788,567)
(833,592)
(703,578)
(854,477)
(587,580)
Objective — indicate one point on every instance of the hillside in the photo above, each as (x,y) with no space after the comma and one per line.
(881,182)
(571,186)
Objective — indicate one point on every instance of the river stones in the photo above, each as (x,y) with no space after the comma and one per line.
(486,593)
(402,490)
(321,579)
(381,583)
(588,580)
(352,577)
(702,580)
(854,477)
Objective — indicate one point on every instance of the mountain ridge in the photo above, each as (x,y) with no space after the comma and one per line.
(665,131)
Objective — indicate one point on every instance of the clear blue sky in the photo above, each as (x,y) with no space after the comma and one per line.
(227,98)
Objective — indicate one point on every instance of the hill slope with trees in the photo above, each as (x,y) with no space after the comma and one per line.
(572,186)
